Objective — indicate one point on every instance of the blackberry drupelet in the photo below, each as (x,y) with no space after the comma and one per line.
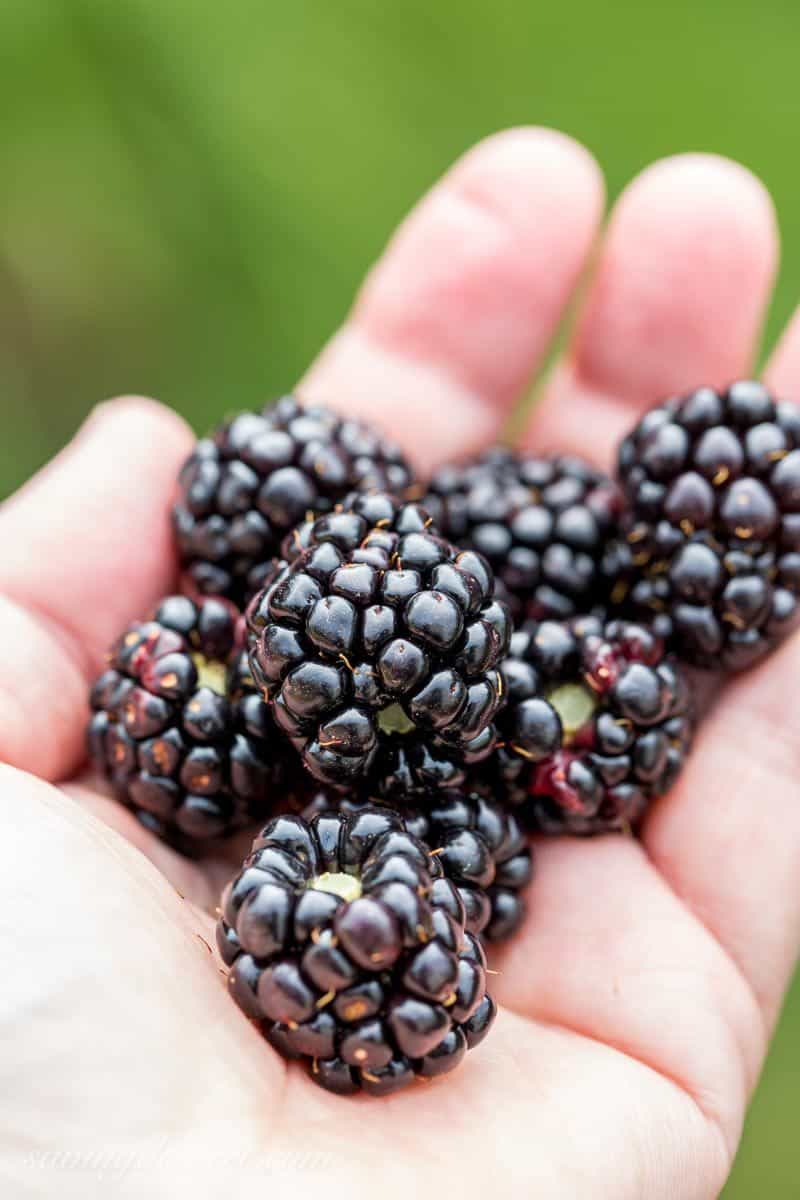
(480,844)
(245,487)
(483,849)
(378,647)
(178,726)
(543,524)
(712,540)
(598,722)
(346,942)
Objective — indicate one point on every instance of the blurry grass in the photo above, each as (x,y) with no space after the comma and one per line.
(190,194)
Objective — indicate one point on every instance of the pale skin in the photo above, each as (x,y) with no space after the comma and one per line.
(639,999)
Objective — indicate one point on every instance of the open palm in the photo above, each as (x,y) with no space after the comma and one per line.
(638,1000)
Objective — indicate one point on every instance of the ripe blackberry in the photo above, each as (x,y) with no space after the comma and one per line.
(542,523)
(378,647)
(245,487)
(480,844)
(597,724)
(484,851)
(178,726)
(346,941)
(713,533)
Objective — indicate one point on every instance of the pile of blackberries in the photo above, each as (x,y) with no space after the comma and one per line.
(401,679)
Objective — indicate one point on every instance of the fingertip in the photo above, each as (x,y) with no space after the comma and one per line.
(147,418)
(714,178)
(504,166)
(721,198)
(682,282)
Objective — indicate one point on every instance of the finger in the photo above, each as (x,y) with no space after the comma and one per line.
(86,547)
(453,321)
(610,952)
(677,300)
(728,839)
(783,369)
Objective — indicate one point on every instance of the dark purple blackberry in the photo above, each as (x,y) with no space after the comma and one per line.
(378,647)
(543,524)
(471,831)
(258,476)
(347,943)
(178,726)
(480,844)
(597,723)
(712,540)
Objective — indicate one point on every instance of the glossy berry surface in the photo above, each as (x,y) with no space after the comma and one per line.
(481,846)
(178,726)
(712,539)
(543,524)
(597,724)
(331,936)
(258,476)
(462,823)
(378,648)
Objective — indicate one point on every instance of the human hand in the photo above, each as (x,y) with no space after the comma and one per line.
(638,1000)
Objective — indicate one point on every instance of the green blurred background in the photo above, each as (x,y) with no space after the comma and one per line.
(190,192)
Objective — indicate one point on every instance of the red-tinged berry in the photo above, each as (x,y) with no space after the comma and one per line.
(178,726)
(597,723)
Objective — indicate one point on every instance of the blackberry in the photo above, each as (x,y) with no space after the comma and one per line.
(597,724)
(178,726)
(480,844)
(712,540)
(245,487)
(543,524)
(346,942)
(484,851)
(378,647)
